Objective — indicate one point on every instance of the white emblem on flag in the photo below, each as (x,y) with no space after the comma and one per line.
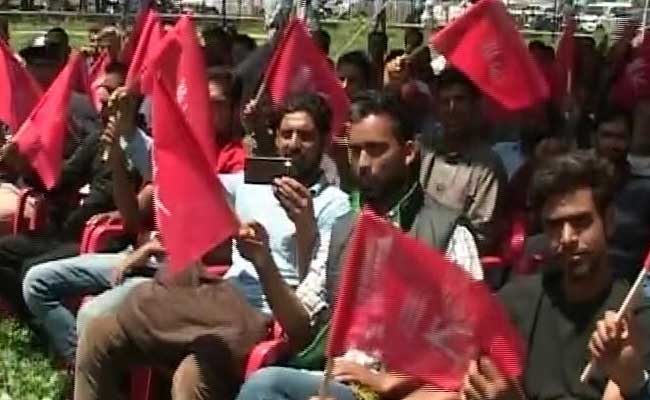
(181,94)
(636,71)
(493,57)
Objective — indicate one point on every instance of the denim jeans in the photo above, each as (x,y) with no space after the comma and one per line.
(279,383)
(46,286)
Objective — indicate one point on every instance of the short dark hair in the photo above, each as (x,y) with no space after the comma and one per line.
(360,60)
(313,104)
(612,113)
(60,31)
(452,76)
(572,171)
(322,39)
(245,40)
(116,68)
(386,103)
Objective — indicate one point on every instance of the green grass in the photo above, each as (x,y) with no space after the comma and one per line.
(25,371)
(25,29)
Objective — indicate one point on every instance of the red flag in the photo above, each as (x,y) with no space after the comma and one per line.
(298,65)
(188,192)
(564,68)
(40,138)
(96,78)
(152,33)
(403,303)
(20,92)
(485,44)
(129,48)
(633,83)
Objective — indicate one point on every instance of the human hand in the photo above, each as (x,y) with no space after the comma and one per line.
(396,71)
(297,202)
(253,243)
(485,382)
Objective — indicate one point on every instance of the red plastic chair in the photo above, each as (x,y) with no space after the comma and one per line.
(23,223)
(513,248)
(99,230)
(268,352)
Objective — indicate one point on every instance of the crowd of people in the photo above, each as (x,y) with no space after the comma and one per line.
(420,149)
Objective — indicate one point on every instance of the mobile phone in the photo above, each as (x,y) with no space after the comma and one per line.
(262,170)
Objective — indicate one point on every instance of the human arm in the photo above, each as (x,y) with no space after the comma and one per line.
(252,243)
(138,259)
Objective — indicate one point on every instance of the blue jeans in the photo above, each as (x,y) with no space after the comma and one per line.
(279,383)
(47,285)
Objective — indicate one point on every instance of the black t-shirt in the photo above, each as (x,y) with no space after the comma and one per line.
(557,334)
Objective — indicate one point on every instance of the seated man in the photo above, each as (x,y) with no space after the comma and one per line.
(47,285)
(463,172)
(384,161)
(190,326)
(66,217)
(557,312)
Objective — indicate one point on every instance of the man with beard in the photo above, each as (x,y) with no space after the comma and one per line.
(567,314)
(203,328)
(384,162)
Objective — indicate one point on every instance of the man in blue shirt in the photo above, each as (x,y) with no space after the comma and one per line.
(165,322)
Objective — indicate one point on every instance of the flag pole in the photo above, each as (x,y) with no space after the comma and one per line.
(323,390)
(361,28)
(644,20)
(623,310)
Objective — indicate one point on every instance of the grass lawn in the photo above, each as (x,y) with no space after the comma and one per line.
(23,30)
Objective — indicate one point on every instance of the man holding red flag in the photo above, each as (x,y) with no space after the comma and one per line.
(564,312)
(384,162)
(191,322)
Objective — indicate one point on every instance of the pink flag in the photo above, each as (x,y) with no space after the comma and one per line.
(192,213)
(403,303)
(633,83)
(485,44)
(152,33)
(298,65)
(96,76)
(20,92)
(41,137)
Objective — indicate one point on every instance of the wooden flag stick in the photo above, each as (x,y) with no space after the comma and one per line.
(323,391)
(622,310)
(361,28)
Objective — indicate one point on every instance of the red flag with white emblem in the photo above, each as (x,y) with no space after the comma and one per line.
(484,43)
(299,66)
(405,304)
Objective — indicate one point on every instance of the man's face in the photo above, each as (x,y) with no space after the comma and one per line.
(613,140)
(298,138)
(577,235)
(109,43)
(379,162)
(352,79)
(458,108)
(222,108)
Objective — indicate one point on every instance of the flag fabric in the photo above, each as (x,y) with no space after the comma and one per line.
(96,75)
(129,48)
(152,33)
(41,137)
(20,92)
(297,66)
(187,191)
(405,304)
(564,68)
(485,44)
(633,83)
